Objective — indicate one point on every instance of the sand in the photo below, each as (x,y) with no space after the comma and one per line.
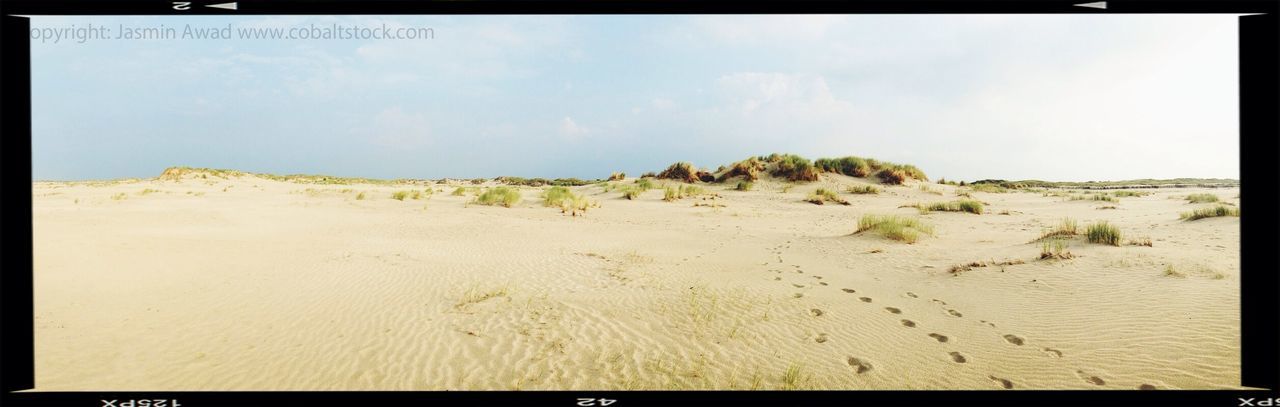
(247,283)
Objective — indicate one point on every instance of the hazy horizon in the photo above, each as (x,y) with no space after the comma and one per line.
(965,97)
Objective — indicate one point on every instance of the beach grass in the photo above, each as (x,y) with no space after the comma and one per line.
(894,227)
(1104,233)
(1217,211)
(504,196)
(1202,198)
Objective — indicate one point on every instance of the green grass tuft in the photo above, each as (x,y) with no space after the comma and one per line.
(505,196)
(863,190)
(1220,210)
(822,195)
(556,196)
(743,186)
(460,191)
(1104,233)
(894,227)
(963,205)
(1202,198)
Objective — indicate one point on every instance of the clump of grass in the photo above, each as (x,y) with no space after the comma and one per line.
(556,196)
(963,205)
(360,196)
(894,227)
(1220,210)
(822,195)
(119,196)
(1169,271)
(1104,233)
(1054,249)
(617,176)
(926,188)
(1066,228)
(644,184)
(1107,207)
(460,191)
(749,169)
(670,194)
(1202,198)
(681,171)
(504,196)
(792,376)
(851,166)
(787,188)
(632,192)
(1131,194)
(1101,196)
(577,204)
(400,195)
(863,190)
(743,186)
(1140,241)
(148,191)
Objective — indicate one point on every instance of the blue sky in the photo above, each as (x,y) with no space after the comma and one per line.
(1066,97)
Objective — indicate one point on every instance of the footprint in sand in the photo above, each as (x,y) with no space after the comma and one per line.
(859,366)
(957,357)
(1095,380)
(909,323)
(1014,339)
(822,283)
(822,338)
(797,295)
(865,299)
(1145,386)
(798,285)
(893,310)
(987,323)
(938,301)
(1002,381)
(777,279)
(1053,353)
(954,313)
(939,337)
(816,312)
(912,295)
(817,277)
(849,290)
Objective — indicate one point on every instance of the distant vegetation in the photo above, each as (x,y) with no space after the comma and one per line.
(538,182)
(1136,183)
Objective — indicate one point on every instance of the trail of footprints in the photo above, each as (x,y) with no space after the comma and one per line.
(863,366)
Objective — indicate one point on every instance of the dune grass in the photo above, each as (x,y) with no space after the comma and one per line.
(459,191)
(476,295)
(963,205)
(743,186)
(360,196)
(632,192)
(794,168)
(119,197)
(1054,249)
(925,188)
(1130,194)
(1067,227)
(400,195)
(617,176)
(989,188)
(1103,233)
(1220,210)
(894,227)
(148,191)
(863,190)
(1202,198)
(556,196)
(1100,196)
(504,196)
(823,195)
(644,184)
(681,171)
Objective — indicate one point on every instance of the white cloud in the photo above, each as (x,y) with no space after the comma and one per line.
(572,130)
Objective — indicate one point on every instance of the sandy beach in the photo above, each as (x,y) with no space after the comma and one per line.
(211,282)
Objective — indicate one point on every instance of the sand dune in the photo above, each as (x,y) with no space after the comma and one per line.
(247,283)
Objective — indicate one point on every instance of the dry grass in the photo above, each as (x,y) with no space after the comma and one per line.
(1202,198)
(822,195)
(1213,212)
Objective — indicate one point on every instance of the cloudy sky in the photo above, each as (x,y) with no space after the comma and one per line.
(1066,97)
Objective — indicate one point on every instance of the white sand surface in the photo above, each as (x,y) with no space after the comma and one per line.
(247,283)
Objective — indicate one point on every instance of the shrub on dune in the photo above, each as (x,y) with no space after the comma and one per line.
(822,195)
(851,166)
(617,176)
(863,190)
(460,191)
(795,168)
(749,169)
(400,195)
(556,196)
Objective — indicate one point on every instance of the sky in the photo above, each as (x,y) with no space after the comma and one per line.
(1053,97)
